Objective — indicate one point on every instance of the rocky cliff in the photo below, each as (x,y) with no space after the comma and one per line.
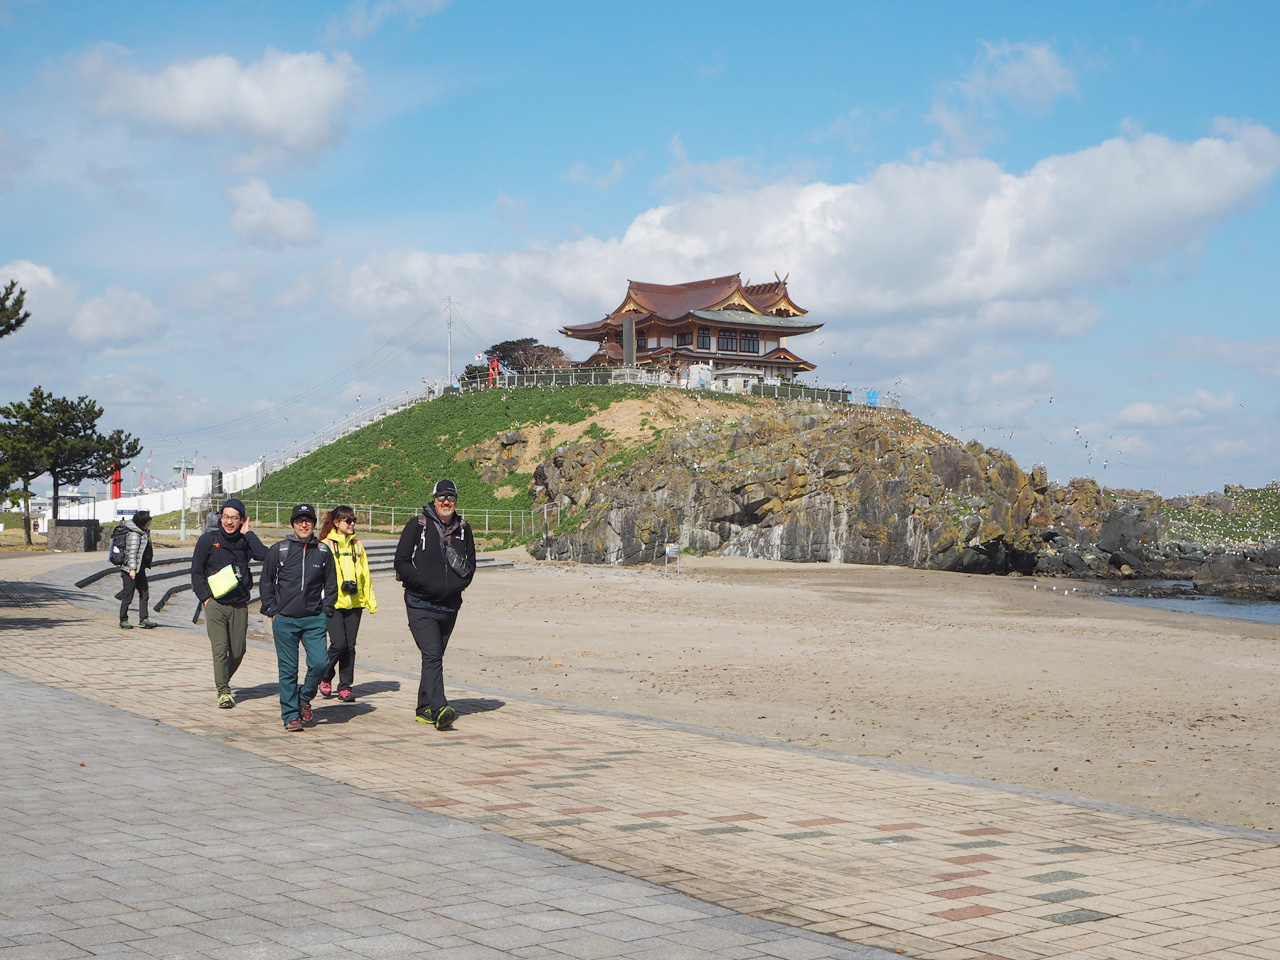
(809,483)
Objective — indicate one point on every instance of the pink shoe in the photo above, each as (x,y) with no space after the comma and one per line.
(346,696)
(326,689)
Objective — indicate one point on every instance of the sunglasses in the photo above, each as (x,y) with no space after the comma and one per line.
(347,520)
(446,498)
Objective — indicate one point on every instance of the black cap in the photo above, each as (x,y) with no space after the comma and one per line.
(303,510)
(445,488)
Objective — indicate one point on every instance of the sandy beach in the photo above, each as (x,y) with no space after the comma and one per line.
(1004,678)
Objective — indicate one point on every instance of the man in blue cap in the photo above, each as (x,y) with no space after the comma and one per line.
(299,587)
(222,583)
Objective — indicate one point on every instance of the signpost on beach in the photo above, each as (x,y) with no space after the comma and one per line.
(673,550)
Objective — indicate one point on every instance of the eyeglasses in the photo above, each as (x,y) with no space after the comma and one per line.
(305,520)
(446,498)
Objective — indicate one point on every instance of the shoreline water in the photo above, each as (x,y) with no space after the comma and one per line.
(1226,608)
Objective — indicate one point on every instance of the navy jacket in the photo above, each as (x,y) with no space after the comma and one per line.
(299,578)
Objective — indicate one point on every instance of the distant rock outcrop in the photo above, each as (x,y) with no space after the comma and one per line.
(815,484)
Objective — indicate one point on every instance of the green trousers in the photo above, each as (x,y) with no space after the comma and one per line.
(227,627)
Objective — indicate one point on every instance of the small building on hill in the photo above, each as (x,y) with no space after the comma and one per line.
(718,323)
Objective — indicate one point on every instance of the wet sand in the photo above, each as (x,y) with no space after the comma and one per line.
(984,676)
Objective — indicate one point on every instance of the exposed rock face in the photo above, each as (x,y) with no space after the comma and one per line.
(498,458)
(812,484)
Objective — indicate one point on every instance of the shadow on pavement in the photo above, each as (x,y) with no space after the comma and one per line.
(36,623)
(375,686)
(477,705)
(328,714)
(261,692)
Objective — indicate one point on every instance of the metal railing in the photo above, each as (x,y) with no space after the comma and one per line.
(379,410)
(391,519)
(566,377)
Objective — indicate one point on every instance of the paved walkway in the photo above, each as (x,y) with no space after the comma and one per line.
(124,837)
(927,866)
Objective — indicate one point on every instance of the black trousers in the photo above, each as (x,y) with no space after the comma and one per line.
(431,631)
(132,585)
(343,627)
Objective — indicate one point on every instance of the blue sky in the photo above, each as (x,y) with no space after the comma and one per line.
(1042,225)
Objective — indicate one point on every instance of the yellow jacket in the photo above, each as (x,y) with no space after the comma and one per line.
(352,563)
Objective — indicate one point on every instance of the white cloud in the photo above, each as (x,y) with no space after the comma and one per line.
(118,317)
(686,176)
(1257,356)
(364,17)
(1027,77)
(223,291)
(262,220)
(1197,408)
(50,299)
(913,258)
(15,156)
(582,174)
(284,106)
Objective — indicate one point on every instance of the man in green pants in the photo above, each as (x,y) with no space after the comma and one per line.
(222,583)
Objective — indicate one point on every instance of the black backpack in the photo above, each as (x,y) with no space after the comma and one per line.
(119,541)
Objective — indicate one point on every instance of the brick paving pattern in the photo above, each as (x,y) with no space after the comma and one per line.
(922,865)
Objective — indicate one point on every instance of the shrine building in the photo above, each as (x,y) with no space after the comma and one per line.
(721,324)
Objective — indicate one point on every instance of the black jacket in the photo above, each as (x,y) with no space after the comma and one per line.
(423,558)
(216,549)
(299,578)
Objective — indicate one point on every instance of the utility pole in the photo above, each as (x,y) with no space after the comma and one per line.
(449,325)
(183,466)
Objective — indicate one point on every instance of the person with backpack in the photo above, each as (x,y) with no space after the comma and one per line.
(435,560)
(299,587)
(131,548)
(221,581)
(355,595)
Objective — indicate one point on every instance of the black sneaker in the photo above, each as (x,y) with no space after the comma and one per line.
(445,717)
(148,624)
(425,715)
(126,625)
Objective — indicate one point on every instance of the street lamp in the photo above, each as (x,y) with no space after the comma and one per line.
(183,467)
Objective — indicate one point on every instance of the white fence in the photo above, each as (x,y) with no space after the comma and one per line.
(158,502)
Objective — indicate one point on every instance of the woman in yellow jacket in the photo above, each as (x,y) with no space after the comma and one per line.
(355,595)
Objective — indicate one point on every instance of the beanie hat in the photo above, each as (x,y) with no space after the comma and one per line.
(235,504)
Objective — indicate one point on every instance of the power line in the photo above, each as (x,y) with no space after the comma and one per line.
(302,402)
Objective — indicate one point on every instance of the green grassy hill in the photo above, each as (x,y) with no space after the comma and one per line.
(397,461)
(1254,519)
